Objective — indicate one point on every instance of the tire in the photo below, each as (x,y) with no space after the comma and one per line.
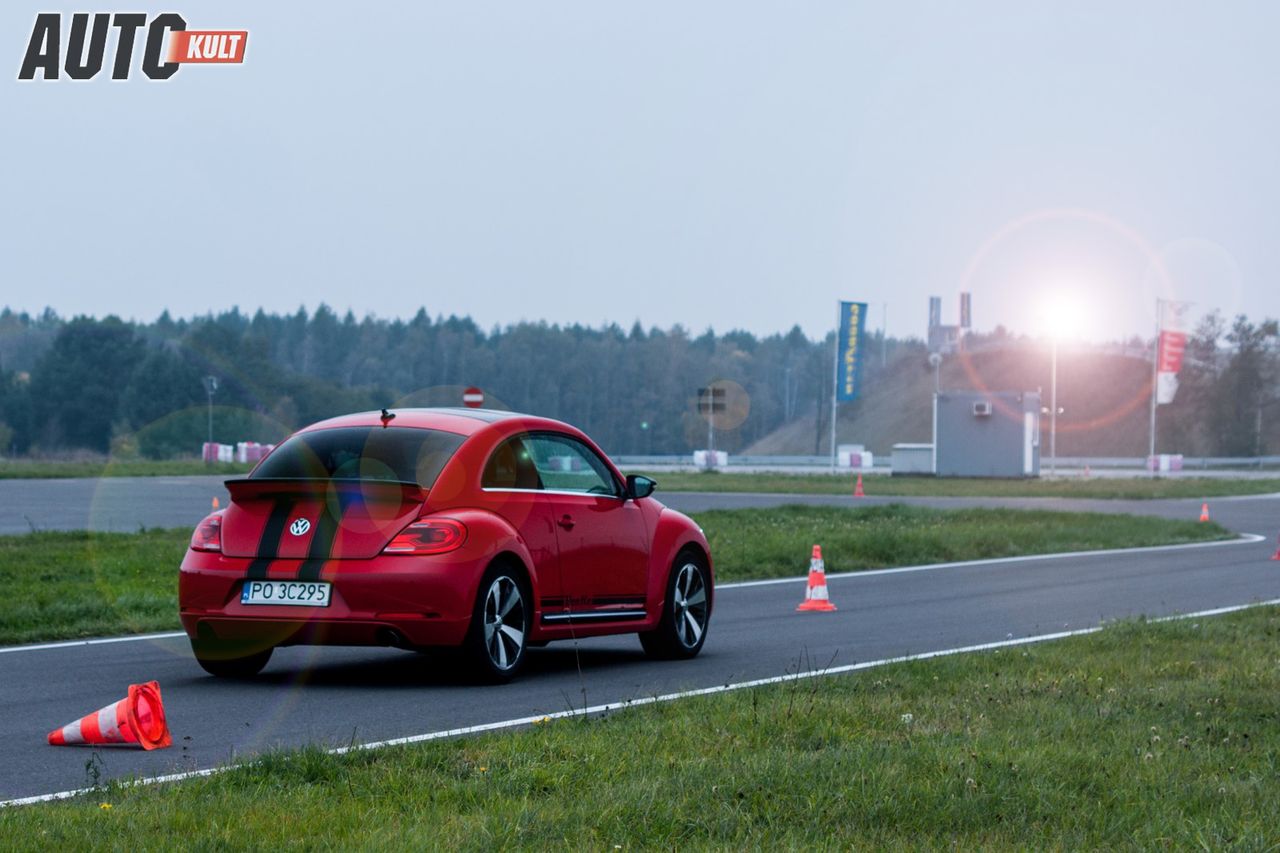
(230,660)
(682,629)
(498,639)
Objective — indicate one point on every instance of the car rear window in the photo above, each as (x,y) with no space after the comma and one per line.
(400,454)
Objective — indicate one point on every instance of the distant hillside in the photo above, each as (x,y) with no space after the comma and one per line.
(1104,395)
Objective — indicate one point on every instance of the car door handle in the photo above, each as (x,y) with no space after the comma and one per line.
(566,521)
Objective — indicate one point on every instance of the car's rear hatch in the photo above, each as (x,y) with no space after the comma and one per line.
(334,494)
(316,519)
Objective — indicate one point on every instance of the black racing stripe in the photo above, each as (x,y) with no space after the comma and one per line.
(322,540)
(269,544)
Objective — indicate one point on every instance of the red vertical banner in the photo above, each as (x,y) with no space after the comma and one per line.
(1171,346)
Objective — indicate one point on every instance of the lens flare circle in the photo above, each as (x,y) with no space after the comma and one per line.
(1156,283)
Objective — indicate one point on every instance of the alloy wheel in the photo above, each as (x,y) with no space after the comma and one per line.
(505,623)
(690,603)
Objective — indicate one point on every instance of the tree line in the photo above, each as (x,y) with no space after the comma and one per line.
(105,385)
(1228,390)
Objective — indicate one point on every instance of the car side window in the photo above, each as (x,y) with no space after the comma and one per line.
(567,465)
(511,467)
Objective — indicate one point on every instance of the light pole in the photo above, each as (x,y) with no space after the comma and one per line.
(210,386)
(935,360)
(1053,410)
(1061,318)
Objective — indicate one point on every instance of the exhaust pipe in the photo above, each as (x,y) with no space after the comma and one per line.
(391,637)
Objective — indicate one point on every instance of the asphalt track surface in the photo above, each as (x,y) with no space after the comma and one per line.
(335,697)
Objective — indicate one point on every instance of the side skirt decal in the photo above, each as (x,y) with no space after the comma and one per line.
(595,616)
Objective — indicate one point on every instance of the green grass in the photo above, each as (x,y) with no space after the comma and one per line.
(68,585)
(25,469)
(60,585)
(769,543)
(1141,736)
(879,485)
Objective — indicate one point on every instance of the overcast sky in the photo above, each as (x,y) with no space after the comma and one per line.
(731,164)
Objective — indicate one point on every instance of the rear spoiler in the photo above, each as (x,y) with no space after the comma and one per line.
(370,490)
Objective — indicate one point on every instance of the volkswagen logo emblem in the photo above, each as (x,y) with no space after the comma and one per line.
(299,527)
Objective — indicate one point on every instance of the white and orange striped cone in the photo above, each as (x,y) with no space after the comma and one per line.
(857,489)
(815,597)
(136,719)
(1204,512)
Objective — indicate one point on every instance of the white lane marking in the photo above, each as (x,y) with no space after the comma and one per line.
(1269,496)
(649,700)
(1243,539)
(96,642)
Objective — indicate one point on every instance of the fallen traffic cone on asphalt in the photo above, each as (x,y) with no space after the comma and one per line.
(857,490)
(815,597)
(1204,512)
(136,719)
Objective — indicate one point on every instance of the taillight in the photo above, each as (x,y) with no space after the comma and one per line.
(433,536)
(208,535)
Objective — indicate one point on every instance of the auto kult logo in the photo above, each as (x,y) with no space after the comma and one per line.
(167,45)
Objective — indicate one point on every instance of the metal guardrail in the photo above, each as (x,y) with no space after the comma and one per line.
(687,459)
(1138,462)
(1188,462)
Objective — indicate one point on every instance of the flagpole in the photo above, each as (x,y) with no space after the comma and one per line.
(1155,384)
(835,383)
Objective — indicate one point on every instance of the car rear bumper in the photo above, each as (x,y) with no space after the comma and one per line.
(386,600)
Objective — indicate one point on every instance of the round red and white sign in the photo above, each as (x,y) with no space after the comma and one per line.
(473,397)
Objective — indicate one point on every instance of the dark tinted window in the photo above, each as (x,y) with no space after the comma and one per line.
(510,467)
(362,453)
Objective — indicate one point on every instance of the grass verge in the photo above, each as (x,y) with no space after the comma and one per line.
(66,584)
(24,469)
(1142,735)
(749,544)
(1128,488)
(81,584)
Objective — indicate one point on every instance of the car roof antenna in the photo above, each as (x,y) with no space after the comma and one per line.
(387,417)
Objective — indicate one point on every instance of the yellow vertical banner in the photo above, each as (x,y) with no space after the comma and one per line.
(853,323)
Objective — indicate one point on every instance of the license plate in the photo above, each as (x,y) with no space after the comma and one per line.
(294,593)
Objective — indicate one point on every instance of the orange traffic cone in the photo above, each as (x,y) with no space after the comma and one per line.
(1204,512)
(215,502)
(1276,555)
(857,490)
(136,719)
(815,597)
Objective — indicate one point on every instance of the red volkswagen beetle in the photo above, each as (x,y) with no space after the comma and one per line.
(490,531)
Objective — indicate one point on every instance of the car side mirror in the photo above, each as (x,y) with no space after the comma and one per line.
(639,487)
